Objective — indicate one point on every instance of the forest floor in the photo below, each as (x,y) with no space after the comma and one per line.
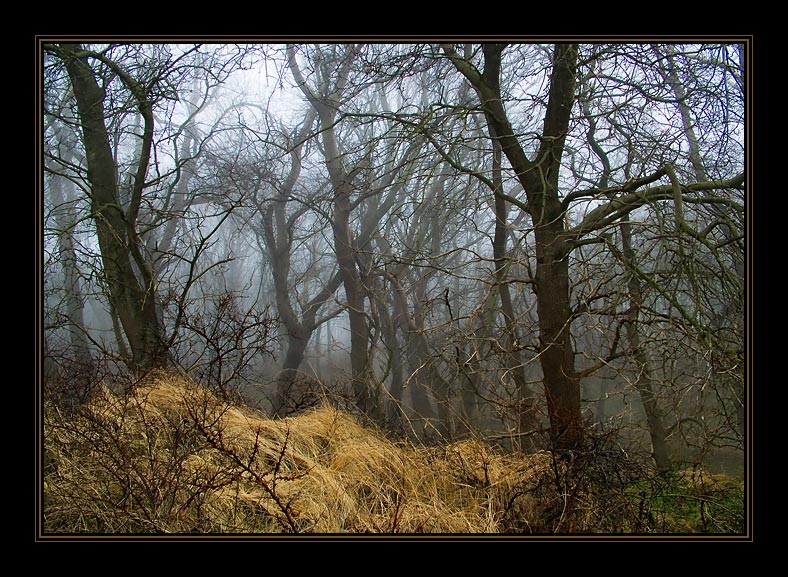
(172,458)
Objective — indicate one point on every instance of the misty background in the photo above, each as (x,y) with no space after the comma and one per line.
(532,244)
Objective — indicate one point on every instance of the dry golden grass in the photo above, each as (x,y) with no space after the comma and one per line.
(173,458)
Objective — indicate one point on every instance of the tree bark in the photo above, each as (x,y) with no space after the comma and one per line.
(299,329)
(644,382)
(526,401)
(133,298)
(325,104)
(539,179)
(361,375)
(557,357)
(395,410)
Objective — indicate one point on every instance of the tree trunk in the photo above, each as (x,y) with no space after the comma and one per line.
(539,179)
(65,218)
(299,330)
(418,359)
(644,382)
(600,410)
(361,374)
(354,293)
(557,356)
(134,299)
(417,382)
(526,401)
(469,386)
(285,401)
(325,101)
(394,409)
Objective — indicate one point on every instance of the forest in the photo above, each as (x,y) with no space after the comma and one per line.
(517,268)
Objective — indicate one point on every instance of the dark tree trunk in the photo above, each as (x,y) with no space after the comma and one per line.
(132,289)
(285,400)
(557,356)
(394,406)
(299,329)
(539,179)
(361,373)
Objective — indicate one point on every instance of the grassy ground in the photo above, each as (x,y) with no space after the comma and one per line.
(172,458)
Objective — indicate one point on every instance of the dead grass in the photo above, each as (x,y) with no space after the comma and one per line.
(172,458)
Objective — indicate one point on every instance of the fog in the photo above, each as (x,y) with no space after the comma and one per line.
(529,244)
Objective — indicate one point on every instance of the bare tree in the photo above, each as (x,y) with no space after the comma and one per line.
(555,239)
(139,194)
(131,283)
(490,217)
(644,379)
(65,217)
(277,229)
